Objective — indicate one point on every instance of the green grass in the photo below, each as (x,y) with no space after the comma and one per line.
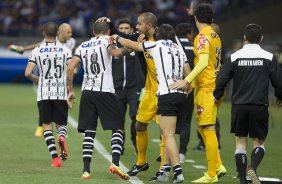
(25,159)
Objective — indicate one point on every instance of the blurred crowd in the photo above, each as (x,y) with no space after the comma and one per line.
(26,17)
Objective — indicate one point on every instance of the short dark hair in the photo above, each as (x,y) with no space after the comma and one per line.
(150,18)
(183,29)
(125,21)
(204,13)
(50,29)
(166,32)
(101,27)
(253,33)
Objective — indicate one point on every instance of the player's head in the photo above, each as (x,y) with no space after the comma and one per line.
(125,26)
(204,13)
(101,28)
(65,32)
(166,32)
(184,30)
(253,33)
(146,23)
(50,30)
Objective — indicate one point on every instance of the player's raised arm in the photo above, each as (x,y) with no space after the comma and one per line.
(135,46)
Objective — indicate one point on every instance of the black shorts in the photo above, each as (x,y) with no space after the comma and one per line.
(185,114)
(94,104)
(170,104)
(249,120)
(53,111)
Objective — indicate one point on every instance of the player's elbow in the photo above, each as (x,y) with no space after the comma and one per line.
(27,74)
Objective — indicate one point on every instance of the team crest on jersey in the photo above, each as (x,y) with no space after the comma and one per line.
(200,109)
(202,42)
(148,55)
(91,44)
(51,49)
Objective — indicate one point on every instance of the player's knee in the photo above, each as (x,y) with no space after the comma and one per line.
(140,127)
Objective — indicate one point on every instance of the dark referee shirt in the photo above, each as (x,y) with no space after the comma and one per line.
(188,49)
(127,73)
(251,68)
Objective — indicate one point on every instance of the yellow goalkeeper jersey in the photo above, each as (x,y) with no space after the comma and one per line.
(208,42)
(151,84)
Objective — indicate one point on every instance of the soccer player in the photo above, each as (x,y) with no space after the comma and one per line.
(147,110)
(207,47)
(128,81)
(98,95)
(251,69)
(64,36)
(51,57)
(169,61)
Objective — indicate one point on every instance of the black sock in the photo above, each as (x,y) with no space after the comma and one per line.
(50,141)
(165,168)
(87,149)
(116,143)
(241,163)
(62,130)
(256,157)
(177,170)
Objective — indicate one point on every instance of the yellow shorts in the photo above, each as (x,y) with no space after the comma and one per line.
(205,108)
(147,110)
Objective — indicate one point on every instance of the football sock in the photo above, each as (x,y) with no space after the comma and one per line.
(87,149)
(257,156)
(141,143)
(116,142)
(177,170)
(165,168)
(50,141)
(62,130)
(162,150)
(241,164)
(211,144)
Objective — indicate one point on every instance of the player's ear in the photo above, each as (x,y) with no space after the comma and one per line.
(108,32)
(245,39)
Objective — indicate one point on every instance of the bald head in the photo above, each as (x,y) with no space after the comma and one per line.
(149,18)
(65,32)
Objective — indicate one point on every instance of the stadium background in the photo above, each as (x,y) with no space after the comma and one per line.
(21,23)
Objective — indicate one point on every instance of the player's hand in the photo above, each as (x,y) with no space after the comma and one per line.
(189,89)
(114,36)
(103,19)
(71,99)
(216,101)
(141,38)
(180,84)
(16,48)
(279,103)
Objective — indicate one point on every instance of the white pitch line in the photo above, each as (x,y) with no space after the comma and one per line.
(101,149)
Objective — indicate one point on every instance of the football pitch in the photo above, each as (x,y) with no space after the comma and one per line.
(24,158)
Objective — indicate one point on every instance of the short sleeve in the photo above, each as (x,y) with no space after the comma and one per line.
(147,46)
(32,58)
(77,53)
(203,45)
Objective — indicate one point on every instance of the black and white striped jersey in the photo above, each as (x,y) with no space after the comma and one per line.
(169,59)
(97,64)
(251,69)
(51,59)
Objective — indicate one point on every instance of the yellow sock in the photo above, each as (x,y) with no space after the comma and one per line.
(141,143)
(162,150)
(211,144)
(218,160)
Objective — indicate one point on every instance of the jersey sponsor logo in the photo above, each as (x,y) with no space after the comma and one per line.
(52,49)
(91,44)
(169,44)
(202,42)
(213,35)
(200,109)
(148,55)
